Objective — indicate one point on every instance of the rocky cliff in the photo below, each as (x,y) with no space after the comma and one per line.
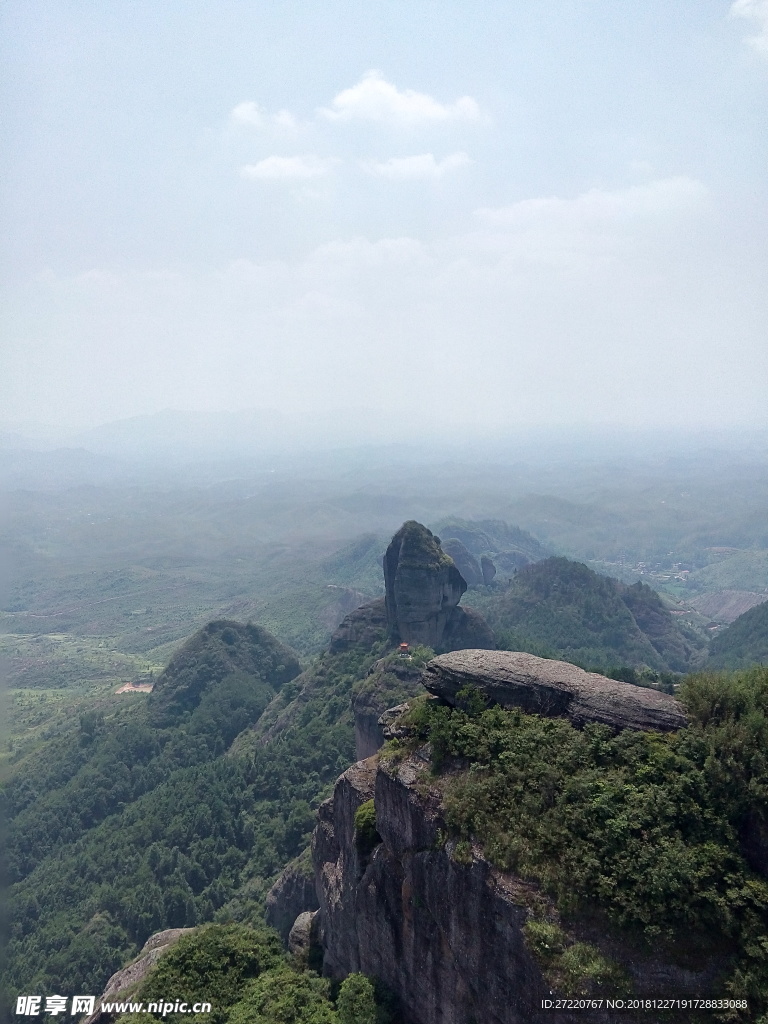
(125,981)
(423,586)
(421,604)
(444,937)
(391,681)
(362,628)
(445,933)
(292,894)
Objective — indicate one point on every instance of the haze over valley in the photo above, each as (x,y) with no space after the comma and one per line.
(384,512)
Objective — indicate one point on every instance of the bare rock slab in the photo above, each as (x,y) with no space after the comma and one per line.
(552,688)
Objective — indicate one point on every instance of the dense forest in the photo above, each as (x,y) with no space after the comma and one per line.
(140,819)
(744,642)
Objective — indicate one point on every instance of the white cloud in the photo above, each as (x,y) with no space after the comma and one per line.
(295,168)
(375,99)
(249,113)
(285,119)
(421,166)
(757,10)
(600,210)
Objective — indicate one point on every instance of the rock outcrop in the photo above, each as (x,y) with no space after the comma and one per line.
(488,569)
(464,561)
(467,628)
(423,586)
(391,680)
(292,894)
(421,605)
(127,978)
(303,934)
(552,688)
(423,590)
(363,627)
(444,937)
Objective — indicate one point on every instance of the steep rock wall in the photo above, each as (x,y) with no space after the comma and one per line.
(444,937)
(291,895)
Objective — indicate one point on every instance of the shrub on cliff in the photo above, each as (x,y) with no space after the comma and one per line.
(646,826)
(285,996)
(366,835)
(211,964)
(245,975)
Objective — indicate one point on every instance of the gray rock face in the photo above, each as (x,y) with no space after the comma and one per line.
(423,586)
(431,929)
(467,628)
(128,978)
(292,894)
(488,570)
(421,605)
(303,934)
(368,734)
(464,561)
(423,590)
(445,937)
(552,688)
(361,628)
(390,681)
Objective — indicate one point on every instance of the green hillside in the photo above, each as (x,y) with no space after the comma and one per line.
(741,570)
(560,608)
(138,819)
(744,642)
(219,651)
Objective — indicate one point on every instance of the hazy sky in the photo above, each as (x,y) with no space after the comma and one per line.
(488,213)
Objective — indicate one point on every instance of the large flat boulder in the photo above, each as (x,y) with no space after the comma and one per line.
(552,688)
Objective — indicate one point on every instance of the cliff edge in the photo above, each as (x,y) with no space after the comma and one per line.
(444,929)
(444,937)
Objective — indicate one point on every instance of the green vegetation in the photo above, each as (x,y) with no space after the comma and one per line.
(286,996)
(508,546)
(644,826)
(357,1001)
(573,968)
(418,547)
(127,815)
(392,681)
(65,661)
(247,978)
(366,835)
(223,649)
(561,609)
(143,819)
(744,642)
(211,964)
(741,570)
